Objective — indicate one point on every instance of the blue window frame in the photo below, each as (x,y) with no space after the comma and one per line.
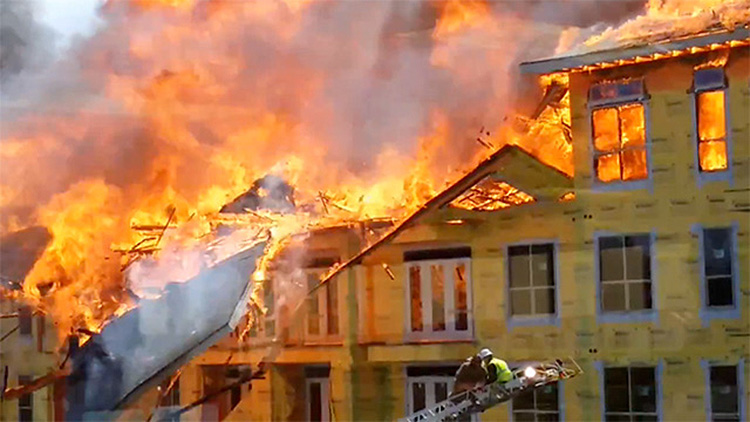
(532,283)
(725,391)
(630,393)
(625,277)
(539,405)
(719,272)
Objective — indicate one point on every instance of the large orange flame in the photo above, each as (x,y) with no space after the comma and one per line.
(186,103)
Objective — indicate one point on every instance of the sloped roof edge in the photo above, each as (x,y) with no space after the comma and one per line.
(572,62)
(439,200)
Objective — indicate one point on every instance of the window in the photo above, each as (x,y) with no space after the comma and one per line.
(618,124)
(538,405)
(170,397)
(266,327)
(630,394)
(317,394)
(25,402)
(231,376)
(625,273)
(711,122)
(428,386)
(438,290)
(24,321)
(170,393)
(717,264)
(725,400)
(531,281)
(322,306)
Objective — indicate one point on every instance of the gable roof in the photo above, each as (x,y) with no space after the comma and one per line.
(511,162)
(637,50)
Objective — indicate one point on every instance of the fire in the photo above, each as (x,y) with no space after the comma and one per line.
(619,141)
(712,146)
(456,15)
(670,19)
(187,103)
(177,4)
(77,266)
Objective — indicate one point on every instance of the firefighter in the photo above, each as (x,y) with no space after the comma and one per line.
(470,374)
(497,369)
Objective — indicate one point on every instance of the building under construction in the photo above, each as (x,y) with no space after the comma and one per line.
(636,265)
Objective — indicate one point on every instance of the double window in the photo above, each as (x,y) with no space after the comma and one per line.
(538,405)
(725,396)
(630,394)
(438,294)
(718,268)
(531,274)
(427,386)
(709,86)
(625,273)
(322,320)
(618,125)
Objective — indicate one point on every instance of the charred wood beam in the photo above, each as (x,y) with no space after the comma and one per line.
(554,93)
(166,226)
(6,335)
(36,384)
(150,227)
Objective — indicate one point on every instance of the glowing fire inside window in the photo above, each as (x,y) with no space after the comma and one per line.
(620,143)
(712,143)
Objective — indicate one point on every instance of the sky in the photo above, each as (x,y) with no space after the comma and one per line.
(69,17)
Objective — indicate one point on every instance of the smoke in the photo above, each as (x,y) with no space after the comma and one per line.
(219,85)
(186,106)
(25,43)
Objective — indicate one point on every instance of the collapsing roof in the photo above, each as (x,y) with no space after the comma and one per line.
(635,51)
(137,350)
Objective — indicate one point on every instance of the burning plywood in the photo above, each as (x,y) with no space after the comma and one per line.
(490,195)
(139,349)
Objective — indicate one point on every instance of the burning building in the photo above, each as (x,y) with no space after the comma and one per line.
(634,263)
(610,227)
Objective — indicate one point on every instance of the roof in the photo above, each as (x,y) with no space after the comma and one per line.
(136,351)
(515,165)
(635,50)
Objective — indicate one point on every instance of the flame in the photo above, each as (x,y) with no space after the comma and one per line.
(183,120)
(176,4)
(711,116)
(670,19)
(620,139)
(712,147)
(456,15)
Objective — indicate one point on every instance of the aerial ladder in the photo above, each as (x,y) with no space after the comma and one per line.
(461,406)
